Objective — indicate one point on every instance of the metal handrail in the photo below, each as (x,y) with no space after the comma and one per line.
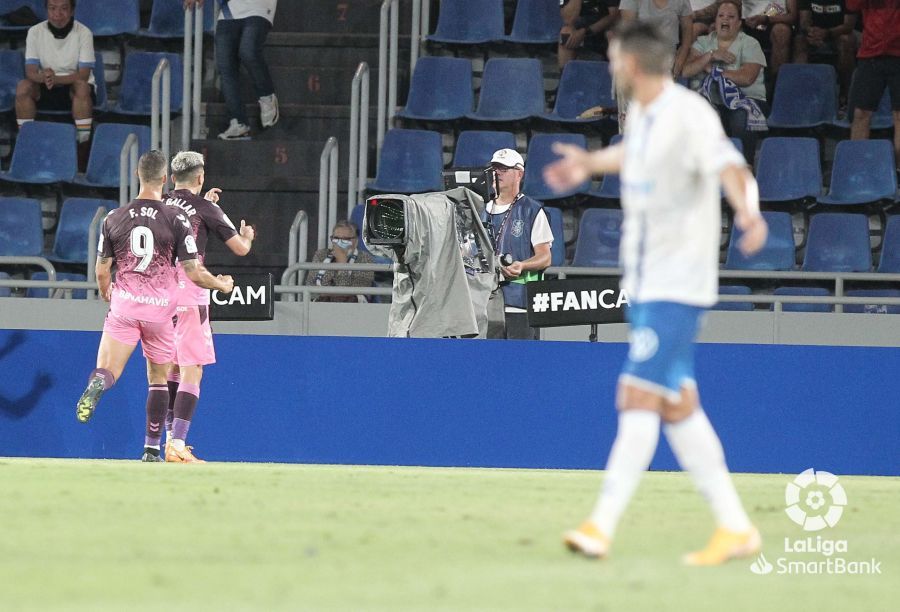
(328,171)
(198,71)
(359,136)
(192,74)
(421,18)
(388,42)
(161,118)
(298,242)
(92,244)
(128,159)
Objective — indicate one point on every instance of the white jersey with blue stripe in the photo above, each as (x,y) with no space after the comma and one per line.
(675,149)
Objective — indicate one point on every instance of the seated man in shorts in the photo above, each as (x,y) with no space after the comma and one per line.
(59,62)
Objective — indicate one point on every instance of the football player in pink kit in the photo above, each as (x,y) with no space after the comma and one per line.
(193,335)
(144,239)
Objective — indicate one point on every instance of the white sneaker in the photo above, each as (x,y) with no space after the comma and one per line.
(268,111)
(236,131)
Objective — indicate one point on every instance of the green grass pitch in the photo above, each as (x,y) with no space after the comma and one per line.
(113,535)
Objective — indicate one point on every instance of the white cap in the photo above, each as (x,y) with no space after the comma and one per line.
(508,158)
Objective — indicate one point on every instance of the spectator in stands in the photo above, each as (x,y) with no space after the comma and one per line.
(704,16)
(59,62)
(586,24)
(877,68)
(727,60)
(674,19)
(241,32)
(521,230)
(827,30)
(344,243)
(771,22)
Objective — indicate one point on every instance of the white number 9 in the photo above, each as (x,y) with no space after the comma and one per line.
(142,246)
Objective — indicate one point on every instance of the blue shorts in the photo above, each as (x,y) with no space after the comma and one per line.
(661,347)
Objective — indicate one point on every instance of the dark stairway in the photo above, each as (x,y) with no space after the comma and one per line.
(313,51)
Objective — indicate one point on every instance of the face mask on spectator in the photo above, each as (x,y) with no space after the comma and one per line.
(342,244)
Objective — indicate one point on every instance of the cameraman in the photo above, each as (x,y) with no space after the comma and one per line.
(521,229)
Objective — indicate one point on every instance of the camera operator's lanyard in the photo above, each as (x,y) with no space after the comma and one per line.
(498,237)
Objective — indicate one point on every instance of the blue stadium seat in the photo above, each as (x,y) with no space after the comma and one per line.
(70,245)
(103,163)
(512,89)
(44,153)
(890,246)
(474,148)
(599,234)
(411,162)
(734,306)
(558,249)
(540,154)
(5,291)
(12,70)
(77,294)
(838,242)
(610,185)
(441,90)
(105,18)
(21,233)
(99,89)
(582,85)
(789,169)
(863,172)
(778,252)
(536,22)
(812,291)
(873,308)
(134,93)
(881,118)
(805,96)
(167,19)
(469,22)
(38,7)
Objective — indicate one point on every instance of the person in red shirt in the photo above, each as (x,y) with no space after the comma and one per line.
(878,66)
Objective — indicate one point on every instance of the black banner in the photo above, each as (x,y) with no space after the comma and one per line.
(576,301)
(251,300)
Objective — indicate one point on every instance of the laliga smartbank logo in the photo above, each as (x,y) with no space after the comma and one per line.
(815,501)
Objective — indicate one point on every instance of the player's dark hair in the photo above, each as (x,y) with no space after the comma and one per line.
(735,3)
(644,41)
(152,166)
(71,3)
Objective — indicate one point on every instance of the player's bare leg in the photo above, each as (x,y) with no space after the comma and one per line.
(699,452)
(111,359)
(157,402)
(183,411)
(632,451)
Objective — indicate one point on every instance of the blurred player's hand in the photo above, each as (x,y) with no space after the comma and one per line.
(754,230)
(569,171)
(247,231)
(226,283)
(213,195)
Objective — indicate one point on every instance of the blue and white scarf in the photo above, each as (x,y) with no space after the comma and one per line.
(733,98)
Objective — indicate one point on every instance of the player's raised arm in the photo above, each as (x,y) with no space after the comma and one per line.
(202,277)
(742,194)
(578,164)
(241,243)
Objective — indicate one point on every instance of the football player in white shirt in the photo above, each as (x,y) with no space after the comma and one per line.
(673,158)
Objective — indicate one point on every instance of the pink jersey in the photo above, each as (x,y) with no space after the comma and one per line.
(145,238)
(205,218)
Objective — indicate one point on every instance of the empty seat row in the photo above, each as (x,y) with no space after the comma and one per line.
(21,233)
(471,22)
(36,161)
(836,242)
(113,18)
(512,90)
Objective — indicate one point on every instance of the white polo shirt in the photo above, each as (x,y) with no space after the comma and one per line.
(64,56)
(675,149)
(241,9)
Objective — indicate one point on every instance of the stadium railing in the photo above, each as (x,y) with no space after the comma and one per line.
(359,136)
(192,76)
(128,161)
(328,174)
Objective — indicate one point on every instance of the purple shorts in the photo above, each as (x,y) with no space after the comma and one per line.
(157,337)
(193,337)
